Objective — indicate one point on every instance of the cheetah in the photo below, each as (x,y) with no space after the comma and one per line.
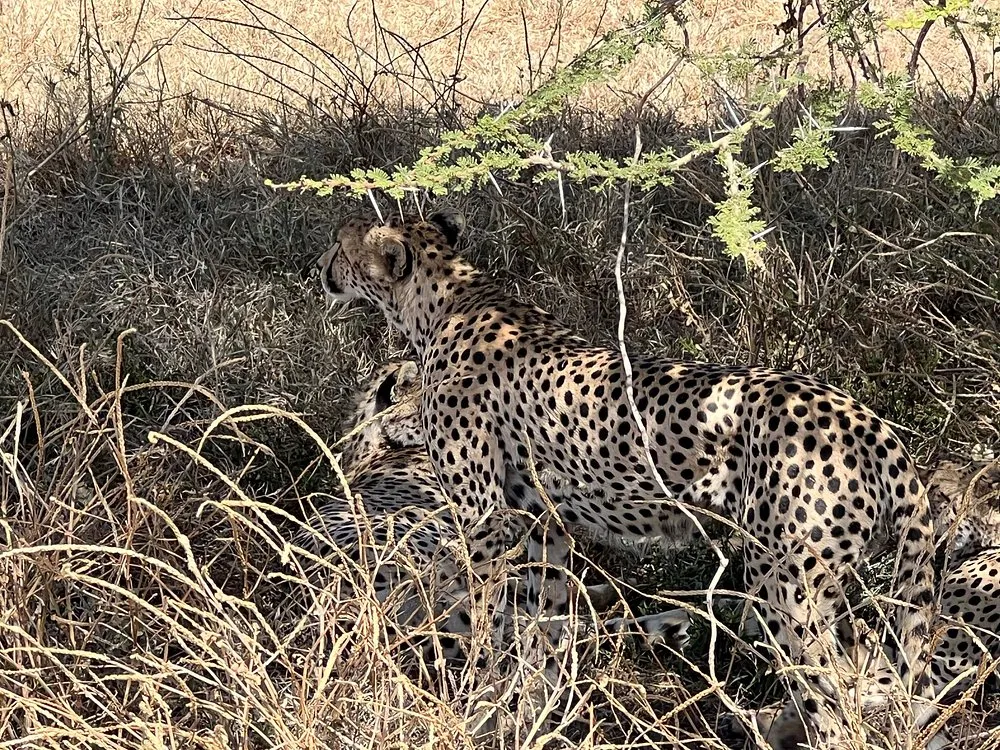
(965,506)
(407,523)
(970,616)
(965,501)
(802,467)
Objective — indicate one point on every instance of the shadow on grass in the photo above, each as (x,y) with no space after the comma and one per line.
(878,279)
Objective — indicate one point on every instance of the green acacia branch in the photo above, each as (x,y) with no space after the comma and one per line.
(915,18)
(735,223)
(513,161)
(895,98)
(499,146)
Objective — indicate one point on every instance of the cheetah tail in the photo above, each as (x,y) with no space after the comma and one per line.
(914,587)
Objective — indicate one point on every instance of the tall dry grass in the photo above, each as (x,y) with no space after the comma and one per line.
(148,597)
(408,54)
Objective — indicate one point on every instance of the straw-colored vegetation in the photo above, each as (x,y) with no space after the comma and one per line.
(170,382)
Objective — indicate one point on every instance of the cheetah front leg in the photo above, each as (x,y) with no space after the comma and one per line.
(798,621)
(548,553)
(468,462)
(547,550)
(471,466)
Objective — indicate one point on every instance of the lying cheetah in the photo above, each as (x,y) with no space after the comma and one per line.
(805,469)
(970,612)
(965,505)
(406,524)
(965,500)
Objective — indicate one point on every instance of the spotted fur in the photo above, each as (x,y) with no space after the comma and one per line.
(805,469)
(965,499)
(405,522)
(965,504)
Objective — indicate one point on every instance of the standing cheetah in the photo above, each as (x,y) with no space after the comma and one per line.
(965,505)
(802,467)
(406,525)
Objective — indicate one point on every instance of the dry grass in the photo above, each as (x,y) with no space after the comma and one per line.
(145,588)
(388,55)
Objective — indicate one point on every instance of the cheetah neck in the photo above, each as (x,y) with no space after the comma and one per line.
(427,305)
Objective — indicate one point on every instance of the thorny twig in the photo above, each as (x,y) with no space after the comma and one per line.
(911,66)
(647,451)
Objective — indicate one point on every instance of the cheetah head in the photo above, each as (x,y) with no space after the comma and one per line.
(965,503)
(386,414)
(374,261)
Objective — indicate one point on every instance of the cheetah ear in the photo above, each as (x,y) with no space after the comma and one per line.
(408,374)
(451,222)
(384,392)
(393,260)
(404,376)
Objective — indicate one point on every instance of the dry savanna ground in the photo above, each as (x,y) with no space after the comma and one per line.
(168,378)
